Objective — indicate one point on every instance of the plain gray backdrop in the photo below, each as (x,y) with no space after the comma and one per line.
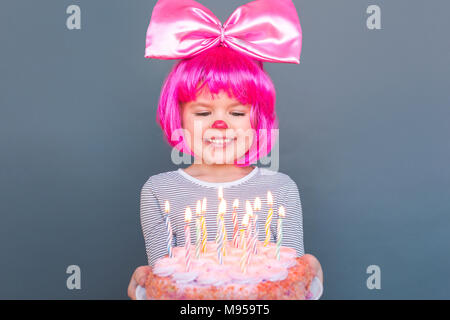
(364,131)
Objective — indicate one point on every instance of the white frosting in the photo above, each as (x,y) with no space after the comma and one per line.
(207,271)
(185,277)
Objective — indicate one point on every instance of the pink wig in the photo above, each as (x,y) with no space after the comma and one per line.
(221,68)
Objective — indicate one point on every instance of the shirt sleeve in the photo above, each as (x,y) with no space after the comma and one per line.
(293,221)
(153,225)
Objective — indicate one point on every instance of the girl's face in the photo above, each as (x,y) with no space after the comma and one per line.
(219,130)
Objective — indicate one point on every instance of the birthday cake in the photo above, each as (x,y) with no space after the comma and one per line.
(265,277)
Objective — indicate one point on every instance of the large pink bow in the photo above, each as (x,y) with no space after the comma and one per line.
(267,30)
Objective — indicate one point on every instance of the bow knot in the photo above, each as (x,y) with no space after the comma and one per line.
(222,34)
(266,30)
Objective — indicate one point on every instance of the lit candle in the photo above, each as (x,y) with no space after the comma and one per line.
(269,217)
(169,228)
(245,252)
(235,223)
(224,211)
(249,211)
(257,207)
(279,230)
(203,225)
(248,242)
(224,235)
(187,237)
(221,231)
(198,211)
(220,197)
(242,239)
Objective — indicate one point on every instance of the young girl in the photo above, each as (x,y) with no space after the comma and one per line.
(219,107)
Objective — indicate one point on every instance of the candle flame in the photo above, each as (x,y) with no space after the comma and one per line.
(166,206)
(245,220)
(257,204)
(269,198)
(281,212)
(222,207)
(248,208)
(188,215)
(204,205)
(198,209)
(220,192)
(236,203)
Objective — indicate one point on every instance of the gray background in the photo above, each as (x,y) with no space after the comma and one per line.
(364,133)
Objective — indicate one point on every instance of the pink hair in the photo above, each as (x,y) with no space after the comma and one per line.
(221,68)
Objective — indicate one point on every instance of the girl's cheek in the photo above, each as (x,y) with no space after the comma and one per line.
(199,127)
(245,124)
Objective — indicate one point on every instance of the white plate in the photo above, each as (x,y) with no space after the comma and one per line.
(316,290)
(140,293)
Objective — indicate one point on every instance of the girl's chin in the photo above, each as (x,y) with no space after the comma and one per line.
(220,154)
(218,159)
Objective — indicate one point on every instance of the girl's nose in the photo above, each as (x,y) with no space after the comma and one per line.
(220,124)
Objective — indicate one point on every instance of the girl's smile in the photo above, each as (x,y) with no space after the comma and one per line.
(219,129)
(219,142)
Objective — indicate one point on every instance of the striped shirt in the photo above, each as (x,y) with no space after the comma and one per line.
(182,190)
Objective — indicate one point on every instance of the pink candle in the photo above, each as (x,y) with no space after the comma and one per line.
(198,232)
(187,237)
(248,243)
(203,226)
(257,207)
(235,223)
(249,211)
(245,251)
(221,231)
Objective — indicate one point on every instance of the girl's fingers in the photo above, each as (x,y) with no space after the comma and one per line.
(141,274)
(138,278)
(132,289)
(141,280)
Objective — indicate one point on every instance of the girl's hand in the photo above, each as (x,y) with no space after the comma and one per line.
(138,278)
(315,289)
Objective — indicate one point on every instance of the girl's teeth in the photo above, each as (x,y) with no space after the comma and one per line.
(219,141)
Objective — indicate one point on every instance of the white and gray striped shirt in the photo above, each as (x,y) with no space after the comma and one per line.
(182,190)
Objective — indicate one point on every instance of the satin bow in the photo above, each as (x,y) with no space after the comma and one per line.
(266,30)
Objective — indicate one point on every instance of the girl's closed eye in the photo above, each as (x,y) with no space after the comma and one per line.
(203,113)
(207,113)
